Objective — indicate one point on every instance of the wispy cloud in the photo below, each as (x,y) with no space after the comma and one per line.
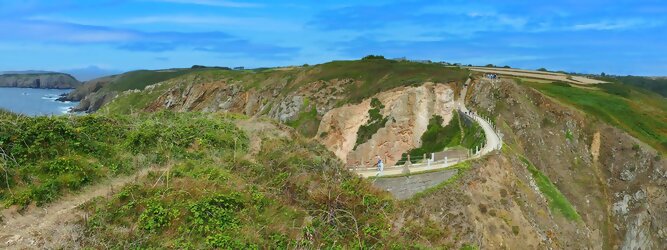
(616,25)
(140,41)
(215,3)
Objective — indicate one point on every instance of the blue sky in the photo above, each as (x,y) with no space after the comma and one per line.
(592,36)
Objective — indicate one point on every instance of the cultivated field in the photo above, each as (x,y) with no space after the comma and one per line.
(538,75)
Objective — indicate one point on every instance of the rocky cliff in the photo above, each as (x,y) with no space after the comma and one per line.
(408,111)
(44,81)
(615,182)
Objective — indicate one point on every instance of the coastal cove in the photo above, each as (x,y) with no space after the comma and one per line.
(34,102)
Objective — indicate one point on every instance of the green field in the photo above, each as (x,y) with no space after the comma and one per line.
(641,113)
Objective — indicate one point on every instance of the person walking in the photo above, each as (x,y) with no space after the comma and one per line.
(380,165)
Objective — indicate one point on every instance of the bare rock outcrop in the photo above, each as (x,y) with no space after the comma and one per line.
(42,81)
(408,109)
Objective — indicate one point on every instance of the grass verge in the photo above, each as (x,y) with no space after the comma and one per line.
(557,201)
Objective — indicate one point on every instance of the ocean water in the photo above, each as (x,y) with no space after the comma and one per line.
(34,102)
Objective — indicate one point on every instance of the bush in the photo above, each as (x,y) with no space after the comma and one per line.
(155,217)
(375,122)
(373,57)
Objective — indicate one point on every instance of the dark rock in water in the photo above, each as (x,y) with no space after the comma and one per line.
(42,81)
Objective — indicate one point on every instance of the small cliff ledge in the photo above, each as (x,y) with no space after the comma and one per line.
(42,81)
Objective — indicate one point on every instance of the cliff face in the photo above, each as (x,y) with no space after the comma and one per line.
(408,111)
(44,81)
(615,182)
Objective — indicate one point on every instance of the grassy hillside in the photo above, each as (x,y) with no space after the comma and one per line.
(657,85)
(378,75)
(372,76)
(45,157)
(642,114)
(212,192)
(142,78)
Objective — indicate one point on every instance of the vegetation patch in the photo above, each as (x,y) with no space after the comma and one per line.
(307,122)
(44,157)
(292,194)
(141,78)
(376,121)
(557,201)
(437,137)
(642,115)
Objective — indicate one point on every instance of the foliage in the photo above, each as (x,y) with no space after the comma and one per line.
(373,57)
(307,122)
(654,84)
(437,137)
(47,156)
(291,194)
(375,122)
(557,201)
(142,78)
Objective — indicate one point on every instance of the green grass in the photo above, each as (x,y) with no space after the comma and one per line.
(379,75)
(642,115)
(141,78)
(557,201)
(375,122)
(45,157)
(266,200)
(307,122)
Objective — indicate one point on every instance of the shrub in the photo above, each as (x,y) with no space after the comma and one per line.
(373,57)
(155,216)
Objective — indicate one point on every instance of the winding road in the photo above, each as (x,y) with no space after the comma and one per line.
(493,142)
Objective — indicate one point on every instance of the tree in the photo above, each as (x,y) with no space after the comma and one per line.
(373,57)
(542,69)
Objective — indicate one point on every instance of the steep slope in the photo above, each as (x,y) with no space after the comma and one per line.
(212,186)
(95,93)
(39,80)
(613,180)
(407,110)
(298,96)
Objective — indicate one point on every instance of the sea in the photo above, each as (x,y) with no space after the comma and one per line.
(34,102)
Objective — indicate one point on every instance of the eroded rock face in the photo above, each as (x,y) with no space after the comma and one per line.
(43,81)
(190,94)
(614,181)
(408,109)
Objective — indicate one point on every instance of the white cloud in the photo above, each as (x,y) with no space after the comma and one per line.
(185,19)
(615,25)
(216,3)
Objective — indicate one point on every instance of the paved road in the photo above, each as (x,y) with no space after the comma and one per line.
(493,142)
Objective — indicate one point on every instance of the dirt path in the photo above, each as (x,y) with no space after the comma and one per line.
(55,226)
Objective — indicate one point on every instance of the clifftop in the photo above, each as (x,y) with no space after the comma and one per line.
(50,80)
